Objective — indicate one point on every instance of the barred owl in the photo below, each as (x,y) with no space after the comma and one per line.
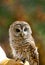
(22,43)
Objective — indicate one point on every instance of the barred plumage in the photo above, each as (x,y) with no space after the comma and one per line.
(22,43)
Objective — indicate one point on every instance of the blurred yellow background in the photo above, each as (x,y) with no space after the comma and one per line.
(32,11)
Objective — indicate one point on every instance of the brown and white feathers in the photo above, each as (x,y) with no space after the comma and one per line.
(22,43)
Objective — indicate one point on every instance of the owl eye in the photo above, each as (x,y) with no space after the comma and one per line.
(25,29)
(17,30)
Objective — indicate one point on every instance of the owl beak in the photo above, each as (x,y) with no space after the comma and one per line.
(22,34)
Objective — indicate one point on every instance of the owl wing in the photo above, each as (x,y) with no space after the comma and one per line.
(33,51)
(34,55)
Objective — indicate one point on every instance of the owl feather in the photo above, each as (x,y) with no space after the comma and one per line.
(22,43)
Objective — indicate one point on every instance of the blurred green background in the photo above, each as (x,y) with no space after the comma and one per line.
(32,11)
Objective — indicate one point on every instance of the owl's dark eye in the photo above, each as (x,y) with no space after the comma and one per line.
(25,29)
(17,30)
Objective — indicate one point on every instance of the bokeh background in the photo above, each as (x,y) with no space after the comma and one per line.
(32,11)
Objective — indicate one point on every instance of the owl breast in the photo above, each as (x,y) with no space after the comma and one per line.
(25,52)
(22,52)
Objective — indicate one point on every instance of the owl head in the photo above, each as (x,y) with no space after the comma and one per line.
(19,30)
